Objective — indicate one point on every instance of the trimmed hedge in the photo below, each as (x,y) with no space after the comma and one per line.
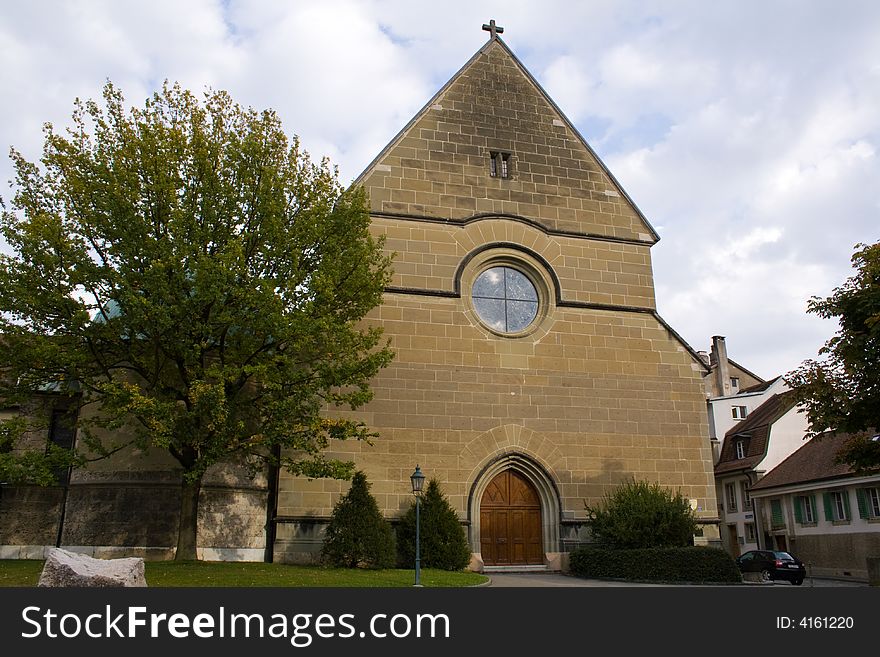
(686,564)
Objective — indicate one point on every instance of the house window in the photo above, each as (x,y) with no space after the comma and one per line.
(840,510)
(805,510)
(730,490)
(836,506)
(751,537)
(739,412)
(747,498)
(505,299)
(873,502)
(777,520)
(499,164)
(734,382)
(740,449)
(869,503)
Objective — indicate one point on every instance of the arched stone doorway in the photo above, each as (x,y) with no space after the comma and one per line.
(534,483)
(510,522)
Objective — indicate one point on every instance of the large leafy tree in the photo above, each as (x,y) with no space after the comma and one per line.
(841,390)
(187,274)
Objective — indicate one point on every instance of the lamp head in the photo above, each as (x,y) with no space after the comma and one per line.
(418,480)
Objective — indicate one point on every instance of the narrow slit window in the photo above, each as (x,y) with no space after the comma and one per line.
(499,164)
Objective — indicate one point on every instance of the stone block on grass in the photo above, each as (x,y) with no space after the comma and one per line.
(63,568)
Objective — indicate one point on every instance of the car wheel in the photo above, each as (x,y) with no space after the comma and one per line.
(798,582)
(766,576)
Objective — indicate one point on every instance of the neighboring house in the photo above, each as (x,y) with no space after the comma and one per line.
(725,377)
(822,511)
(727,412)
(732,392)
(756,445)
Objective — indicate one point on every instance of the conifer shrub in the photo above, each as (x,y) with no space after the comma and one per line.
(358,536)
(442,540)
(642,515)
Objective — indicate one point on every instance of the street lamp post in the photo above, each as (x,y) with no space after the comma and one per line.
(417,479)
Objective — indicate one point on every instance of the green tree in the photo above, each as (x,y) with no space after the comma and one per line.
(358,535)
(442,541)
(637,514)
(841,390)
(187,273)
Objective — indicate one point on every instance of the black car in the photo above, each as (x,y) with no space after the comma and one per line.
(772,565)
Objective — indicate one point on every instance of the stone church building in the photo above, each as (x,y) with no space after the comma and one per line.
(532,373)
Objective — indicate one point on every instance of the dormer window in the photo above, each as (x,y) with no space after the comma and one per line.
(739,412)
(740,448)
(499,164)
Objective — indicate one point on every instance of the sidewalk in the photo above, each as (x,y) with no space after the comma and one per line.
(559,580)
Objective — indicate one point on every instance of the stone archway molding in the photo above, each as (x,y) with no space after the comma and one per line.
(539,471)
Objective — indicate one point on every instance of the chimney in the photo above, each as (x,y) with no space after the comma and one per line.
(722,367)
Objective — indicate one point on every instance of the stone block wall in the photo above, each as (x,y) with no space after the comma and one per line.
(134,513)
(837,555)
(439,166)
(29,518)
(597,390)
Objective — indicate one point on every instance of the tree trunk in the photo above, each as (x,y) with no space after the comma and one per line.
(187,530)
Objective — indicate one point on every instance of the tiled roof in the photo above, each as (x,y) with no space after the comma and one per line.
(812,462)
(755,430)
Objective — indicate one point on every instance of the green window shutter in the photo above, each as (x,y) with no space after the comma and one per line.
(798,510)
(776,514)
(862,503)
(829,513)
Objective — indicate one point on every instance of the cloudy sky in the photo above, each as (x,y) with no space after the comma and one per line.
(747,132)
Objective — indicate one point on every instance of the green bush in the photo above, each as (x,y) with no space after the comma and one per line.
(642,515)
(681,564)
(358,535)
(442,541)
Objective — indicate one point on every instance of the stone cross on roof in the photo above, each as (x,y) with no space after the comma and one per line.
(493,31)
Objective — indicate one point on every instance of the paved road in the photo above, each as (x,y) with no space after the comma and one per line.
(555,579)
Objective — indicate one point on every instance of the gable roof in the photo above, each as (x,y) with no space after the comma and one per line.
(744,370)
(812,462)
(755,430)
(491,104)
(759,387)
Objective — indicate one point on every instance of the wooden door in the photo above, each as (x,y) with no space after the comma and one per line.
(510,522)
(733,539)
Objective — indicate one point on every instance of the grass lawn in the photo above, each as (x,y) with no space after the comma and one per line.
(216,573)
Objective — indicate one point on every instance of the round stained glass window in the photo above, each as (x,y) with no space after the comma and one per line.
(505,299)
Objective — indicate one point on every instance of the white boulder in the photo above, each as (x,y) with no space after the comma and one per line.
(65,568)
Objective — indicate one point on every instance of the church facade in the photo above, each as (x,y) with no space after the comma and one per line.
(532,375)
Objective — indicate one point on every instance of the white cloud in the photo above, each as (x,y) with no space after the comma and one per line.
(746,132)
